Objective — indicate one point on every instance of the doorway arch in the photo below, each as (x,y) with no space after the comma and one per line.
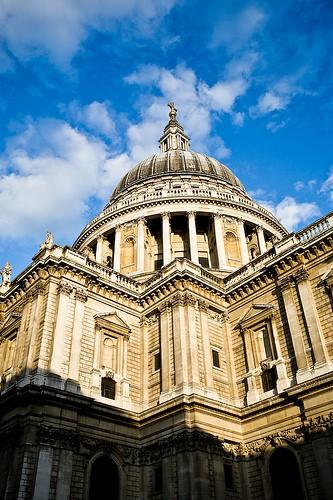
(285,475)
(104,481)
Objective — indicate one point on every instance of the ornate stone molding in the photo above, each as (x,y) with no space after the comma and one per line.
(285,283)
(221,317)
(65,288)
(81,295)
(301,275)
(63,438)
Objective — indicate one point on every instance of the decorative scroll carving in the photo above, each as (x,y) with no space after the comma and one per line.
(65,288)
(217,316)
(64,438)
(301,275)
(81,295)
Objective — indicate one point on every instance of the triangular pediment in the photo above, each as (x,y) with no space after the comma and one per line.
(11,322)
(112,321)
(256,312)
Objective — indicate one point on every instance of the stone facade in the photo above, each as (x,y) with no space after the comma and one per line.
(181,349)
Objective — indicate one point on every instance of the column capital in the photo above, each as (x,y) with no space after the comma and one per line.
(141,220)
(301,275)
(285,283)
(101,237)
(166,215)
(65,288)
(81,295)
(191,213)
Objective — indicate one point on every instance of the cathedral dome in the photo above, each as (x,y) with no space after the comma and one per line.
(177,161)
(179,204)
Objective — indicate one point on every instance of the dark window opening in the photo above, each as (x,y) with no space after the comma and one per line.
(158,479)
(158,264)
(108,388)
(203,261)
(269,378)
(157,361)
(216,358)
(228,477)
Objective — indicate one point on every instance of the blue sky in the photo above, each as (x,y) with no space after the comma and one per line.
(83,92)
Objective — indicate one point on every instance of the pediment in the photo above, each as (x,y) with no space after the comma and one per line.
(111,321)
(254,314)
(11,322)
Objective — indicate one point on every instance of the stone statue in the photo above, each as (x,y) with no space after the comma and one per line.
(49,241)
(6,274)
(173,111)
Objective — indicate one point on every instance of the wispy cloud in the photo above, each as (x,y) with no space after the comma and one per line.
(234,31)
(32,28)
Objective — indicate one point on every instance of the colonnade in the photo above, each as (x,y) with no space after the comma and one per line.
(219,233)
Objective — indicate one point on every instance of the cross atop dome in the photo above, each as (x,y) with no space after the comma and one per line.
(174,136)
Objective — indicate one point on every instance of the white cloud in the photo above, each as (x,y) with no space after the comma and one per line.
(52,170)
(299,185)
(238,118)
(236,30)
(198,105)
(327,186)
(57,28)
(96,116)
(290,212)
(277,98)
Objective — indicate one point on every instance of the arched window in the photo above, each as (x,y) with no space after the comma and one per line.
(285,476)
(128,255)
(232,248)
(104,480)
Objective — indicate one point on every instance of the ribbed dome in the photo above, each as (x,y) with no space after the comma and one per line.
(177,161)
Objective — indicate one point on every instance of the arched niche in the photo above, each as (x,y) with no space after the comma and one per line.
(285,475)
(104,480)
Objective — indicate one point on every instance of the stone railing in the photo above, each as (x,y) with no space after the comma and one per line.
(252,267)
(312,231)
(111,275)
(131,200)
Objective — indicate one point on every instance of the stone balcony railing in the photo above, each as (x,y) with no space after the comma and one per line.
(293,240)
(135,200)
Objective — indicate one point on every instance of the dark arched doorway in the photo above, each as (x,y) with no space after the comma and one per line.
(285,476)
(104,480)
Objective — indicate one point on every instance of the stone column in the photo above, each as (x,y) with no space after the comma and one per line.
(144,359)
(64,475)
(252,394)
(166,238)
(140,247)
(65,290)
(74,363)
(219,241)
(193,237)
(295,328)
(43,474)
(100,249)
(117,249)
(206,348)
(242,241)
(164,311)
(180,344)
(96,371)
(312,319)
(33,327)
(324,466)
(192,352)
(261,239)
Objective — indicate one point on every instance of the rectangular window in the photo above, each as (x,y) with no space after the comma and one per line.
(269,378)
(157,361)
(216,358)
(228,477)
(108,388)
